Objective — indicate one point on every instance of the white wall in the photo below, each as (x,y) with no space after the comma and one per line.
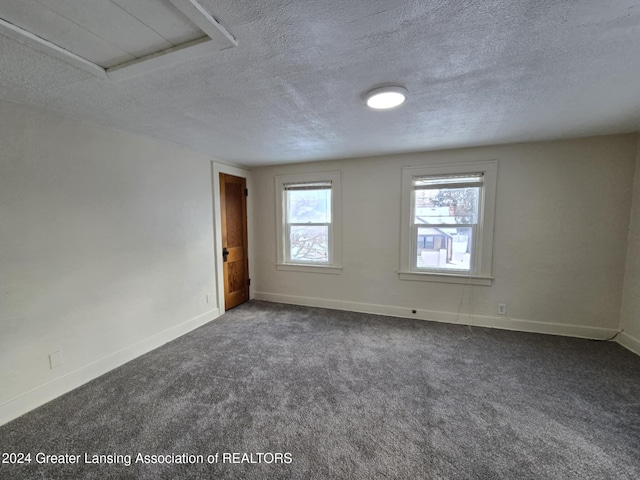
(106,251)
(559,251)
(631,296)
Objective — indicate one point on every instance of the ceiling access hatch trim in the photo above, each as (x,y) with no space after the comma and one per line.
(165,58)
(45,46)
(218,38)
(203,19)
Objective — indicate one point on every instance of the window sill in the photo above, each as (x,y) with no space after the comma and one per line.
(308,268)
(446,278)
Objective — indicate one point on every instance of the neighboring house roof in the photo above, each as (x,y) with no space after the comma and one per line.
(437,216)
(436,231)
(448,220)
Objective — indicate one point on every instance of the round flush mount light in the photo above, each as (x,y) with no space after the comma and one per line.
(384,98)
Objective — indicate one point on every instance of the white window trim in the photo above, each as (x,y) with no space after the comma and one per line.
(335,253)
(484,248)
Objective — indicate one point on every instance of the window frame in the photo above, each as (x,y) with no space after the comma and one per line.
(482,256)
(283,261)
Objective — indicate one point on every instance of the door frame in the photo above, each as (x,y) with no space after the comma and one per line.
(216,170)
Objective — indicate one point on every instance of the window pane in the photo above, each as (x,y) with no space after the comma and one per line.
(309,206)
(309,244)
(444,248)
(447,206)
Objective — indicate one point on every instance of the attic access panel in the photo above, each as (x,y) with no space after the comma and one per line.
(115,39)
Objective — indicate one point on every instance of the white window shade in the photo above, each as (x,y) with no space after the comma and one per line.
(308,186)
(432,182)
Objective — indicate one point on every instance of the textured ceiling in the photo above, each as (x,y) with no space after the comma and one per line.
(479,72)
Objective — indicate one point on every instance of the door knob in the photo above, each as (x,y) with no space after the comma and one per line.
(225,253)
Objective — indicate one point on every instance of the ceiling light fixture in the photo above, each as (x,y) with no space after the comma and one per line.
(383,98)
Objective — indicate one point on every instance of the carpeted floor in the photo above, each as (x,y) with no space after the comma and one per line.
(308,393)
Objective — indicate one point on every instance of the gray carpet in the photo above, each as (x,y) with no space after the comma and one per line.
(348,395)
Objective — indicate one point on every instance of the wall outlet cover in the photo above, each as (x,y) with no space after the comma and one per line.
(55,359)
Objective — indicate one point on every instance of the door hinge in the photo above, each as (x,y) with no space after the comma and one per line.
(246,192)
(249,281)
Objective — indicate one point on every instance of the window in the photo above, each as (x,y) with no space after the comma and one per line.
(447,222)
(428,242)
(308,222)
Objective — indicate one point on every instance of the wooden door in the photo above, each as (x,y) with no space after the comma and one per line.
(233,202)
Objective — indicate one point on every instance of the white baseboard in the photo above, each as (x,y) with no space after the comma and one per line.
(504,323)
(629,342)
(48,391)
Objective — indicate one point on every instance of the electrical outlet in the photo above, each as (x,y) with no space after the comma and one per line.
(208,297)
(502,309)
(55,359)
